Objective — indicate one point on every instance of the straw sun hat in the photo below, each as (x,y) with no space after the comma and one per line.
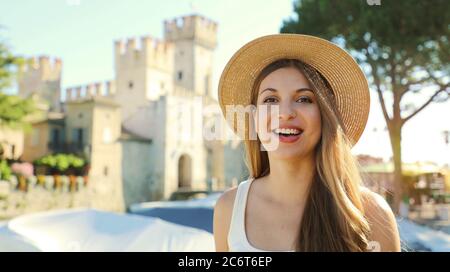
(345,77)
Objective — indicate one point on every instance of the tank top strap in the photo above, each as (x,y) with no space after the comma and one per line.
(236,232)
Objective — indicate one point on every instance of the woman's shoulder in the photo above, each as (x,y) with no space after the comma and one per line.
(383,225)
(223,211)
(374,202)
(226,200)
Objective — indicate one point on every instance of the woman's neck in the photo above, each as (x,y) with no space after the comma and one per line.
(289,180)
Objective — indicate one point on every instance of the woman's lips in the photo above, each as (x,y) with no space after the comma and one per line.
(288,138)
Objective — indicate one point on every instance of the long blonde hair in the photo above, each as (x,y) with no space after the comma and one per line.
(333,219)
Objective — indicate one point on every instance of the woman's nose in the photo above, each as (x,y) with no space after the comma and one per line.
(286,111)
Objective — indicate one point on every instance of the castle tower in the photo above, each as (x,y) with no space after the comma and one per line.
(93,128)
(195,38)
(143,71)
(42,77)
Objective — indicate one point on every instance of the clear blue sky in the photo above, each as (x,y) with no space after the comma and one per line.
(81,32)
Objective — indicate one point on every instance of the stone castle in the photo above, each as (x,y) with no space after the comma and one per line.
(142,130)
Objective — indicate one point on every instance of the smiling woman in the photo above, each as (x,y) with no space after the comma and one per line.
(297,108)
(285,133)
(305,192)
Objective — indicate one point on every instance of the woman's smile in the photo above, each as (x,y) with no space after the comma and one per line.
(288,134)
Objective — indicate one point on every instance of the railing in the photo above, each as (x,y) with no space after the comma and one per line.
(74,147)
(20,195)
(56,182)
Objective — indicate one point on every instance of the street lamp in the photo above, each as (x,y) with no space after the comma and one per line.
(446,135)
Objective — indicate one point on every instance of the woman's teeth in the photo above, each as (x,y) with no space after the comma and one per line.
(287,131)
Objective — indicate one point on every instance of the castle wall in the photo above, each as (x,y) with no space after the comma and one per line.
(203,71)
(101,120)
(106,157)
(91,90)
(184,68)
(36,142)
(140,175)
(43,196)
(143,69)
(184,137)
(10,138)
(157,83)
(42,76)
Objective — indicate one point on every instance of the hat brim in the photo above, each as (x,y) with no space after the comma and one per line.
(344,75)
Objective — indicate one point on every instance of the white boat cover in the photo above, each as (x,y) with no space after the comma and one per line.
(94,230)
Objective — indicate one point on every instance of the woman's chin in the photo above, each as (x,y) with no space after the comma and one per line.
(286,154)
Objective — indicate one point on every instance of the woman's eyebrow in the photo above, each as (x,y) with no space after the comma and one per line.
(297,91)
(304,90)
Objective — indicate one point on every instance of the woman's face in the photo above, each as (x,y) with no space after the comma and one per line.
(290,127)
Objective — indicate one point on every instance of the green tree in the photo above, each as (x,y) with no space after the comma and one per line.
(5,170)
(403,46)
(9,65)
(13,109)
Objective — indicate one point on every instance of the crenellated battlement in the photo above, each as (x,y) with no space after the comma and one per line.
(145,51)
(41,76)
(197,27)
(97,89)
(43,68)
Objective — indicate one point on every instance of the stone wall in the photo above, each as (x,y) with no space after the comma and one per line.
(21,196)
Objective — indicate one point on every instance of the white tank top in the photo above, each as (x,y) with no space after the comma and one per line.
(237,237)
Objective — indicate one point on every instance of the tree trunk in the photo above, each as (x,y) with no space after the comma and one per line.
(397,159)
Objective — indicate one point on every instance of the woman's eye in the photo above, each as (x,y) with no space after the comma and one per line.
(304,99)
(270,100)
